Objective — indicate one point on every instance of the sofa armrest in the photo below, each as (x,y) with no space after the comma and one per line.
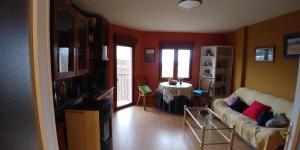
(217,102)
(270,138)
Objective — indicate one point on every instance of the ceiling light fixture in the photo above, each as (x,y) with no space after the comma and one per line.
(188,4)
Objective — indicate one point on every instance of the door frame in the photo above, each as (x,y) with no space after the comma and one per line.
(132,72)
(41,73)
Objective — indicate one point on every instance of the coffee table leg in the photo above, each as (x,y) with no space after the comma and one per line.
(232,137)
(202,138)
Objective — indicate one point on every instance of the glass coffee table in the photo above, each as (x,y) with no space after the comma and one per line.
(207,127)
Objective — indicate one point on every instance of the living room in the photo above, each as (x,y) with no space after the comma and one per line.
(153,36)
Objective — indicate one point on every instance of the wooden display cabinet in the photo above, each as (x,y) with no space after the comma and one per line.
(61,136)
(90,128)
(78,68)
(62,40)
(98,28)
(82,52)
(69,41)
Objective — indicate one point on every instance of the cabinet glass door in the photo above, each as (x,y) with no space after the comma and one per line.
(65,48)
(82,45)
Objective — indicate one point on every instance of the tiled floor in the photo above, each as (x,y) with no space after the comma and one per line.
(135,129)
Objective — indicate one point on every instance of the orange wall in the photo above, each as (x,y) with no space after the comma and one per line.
(150,71)
(278,78)
(152,39)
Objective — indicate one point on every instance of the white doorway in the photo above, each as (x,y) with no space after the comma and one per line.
(124,75)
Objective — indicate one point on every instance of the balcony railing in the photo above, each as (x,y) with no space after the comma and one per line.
(124,89)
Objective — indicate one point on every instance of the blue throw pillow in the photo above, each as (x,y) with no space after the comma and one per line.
(238,106)
(263,117)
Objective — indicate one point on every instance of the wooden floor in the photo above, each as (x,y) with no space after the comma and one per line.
(135,129)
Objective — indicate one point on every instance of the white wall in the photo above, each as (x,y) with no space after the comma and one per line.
(295,112)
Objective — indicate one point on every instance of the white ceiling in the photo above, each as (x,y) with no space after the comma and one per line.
(164,15)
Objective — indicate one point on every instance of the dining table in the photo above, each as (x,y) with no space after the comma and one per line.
(172,98)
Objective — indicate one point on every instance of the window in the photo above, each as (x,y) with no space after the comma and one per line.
(175,62)
(184,63)
(167,64)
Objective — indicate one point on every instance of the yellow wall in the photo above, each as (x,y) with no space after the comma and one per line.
(278,78)
(239,58)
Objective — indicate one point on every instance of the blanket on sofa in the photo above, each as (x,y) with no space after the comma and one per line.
(260,137)
(256,135)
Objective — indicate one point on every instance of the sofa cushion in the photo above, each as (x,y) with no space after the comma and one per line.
(231,99)
(279,121)
(263,117)
(279,105)
(238,106)
(255,109)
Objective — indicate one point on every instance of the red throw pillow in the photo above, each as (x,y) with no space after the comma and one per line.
(255,109)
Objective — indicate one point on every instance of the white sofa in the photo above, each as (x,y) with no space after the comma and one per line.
(260,137)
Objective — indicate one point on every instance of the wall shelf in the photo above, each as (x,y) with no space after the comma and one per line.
(218,68)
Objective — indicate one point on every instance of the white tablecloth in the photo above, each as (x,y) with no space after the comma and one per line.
(169,91)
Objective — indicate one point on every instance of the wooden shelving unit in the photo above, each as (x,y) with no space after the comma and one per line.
(98,43)
(79,59)
(216,64)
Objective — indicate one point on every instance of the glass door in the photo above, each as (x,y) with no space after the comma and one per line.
(64,43)
(124,75)
(82,45)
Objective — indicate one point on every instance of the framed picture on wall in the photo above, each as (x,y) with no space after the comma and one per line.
(265,54)
(291,45)
(149,55)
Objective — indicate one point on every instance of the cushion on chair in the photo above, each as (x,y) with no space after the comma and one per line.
(200,92)
(255,109)
(145,89)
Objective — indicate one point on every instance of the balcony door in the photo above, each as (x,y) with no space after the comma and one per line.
(124,76)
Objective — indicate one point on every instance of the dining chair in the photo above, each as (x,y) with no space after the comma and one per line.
(144,91)
(203,91)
